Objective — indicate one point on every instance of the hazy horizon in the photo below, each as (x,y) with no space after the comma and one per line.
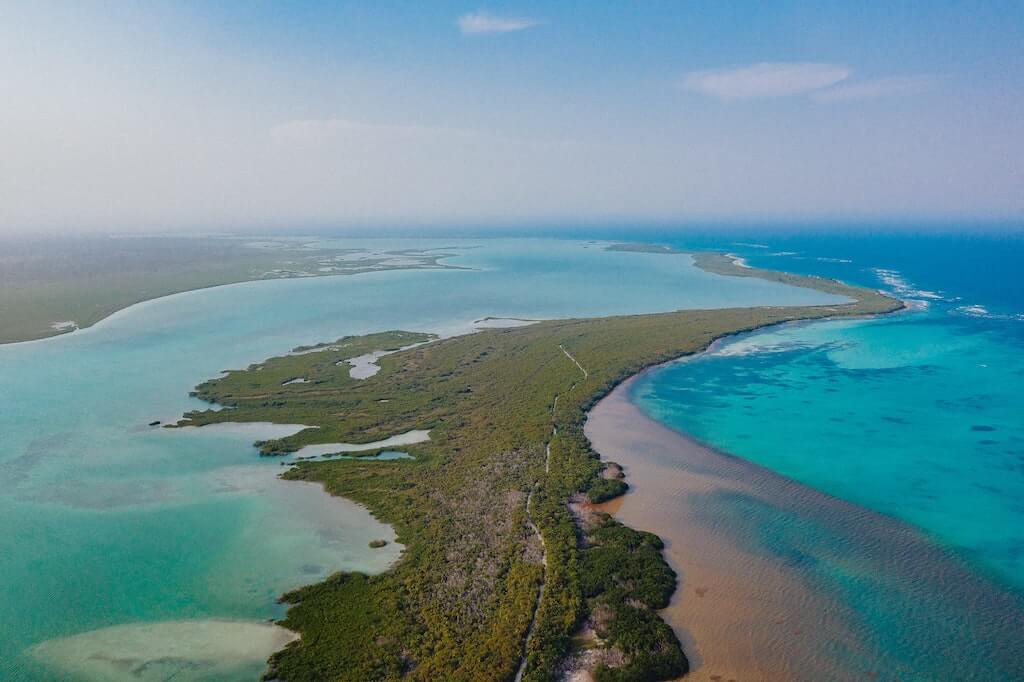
(572,230)
(180,116)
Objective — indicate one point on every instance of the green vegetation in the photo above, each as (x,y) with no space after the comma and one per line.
(460,602)
(316,400)
(604,489)
(624,580)
(80,281)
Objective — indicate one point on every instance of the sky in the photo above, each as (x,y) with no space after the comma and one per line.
(145,116)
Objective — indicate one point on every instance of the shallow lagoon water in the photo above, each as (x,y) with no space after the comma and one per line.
(917,416)
(110,522)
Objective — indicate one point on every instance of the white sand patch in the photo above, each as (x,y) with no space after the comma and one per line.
(208,649)
(407,438)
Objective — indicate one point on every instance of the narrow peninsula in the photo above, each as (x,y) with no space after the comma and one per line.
(508,572)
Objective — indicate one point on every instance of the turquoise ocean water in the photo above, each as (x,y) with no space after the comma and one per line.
(918,415)
(109,522)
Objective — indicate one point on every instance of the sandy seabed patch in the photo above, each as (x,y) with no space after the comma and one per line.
(209,649)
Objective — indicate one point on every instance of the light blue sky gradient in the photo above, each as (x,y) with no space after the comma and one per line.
(152,115)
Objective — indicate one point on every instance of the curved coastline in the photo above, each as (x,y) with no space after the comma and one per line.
(743,612)
(569,452)
(77,330)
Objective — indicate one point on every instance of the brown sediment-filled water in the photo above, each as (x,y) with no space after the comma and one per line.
(778,581)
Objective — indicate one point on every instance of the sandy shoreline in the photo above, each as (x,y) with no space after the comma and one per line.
(747,613)
(725,609)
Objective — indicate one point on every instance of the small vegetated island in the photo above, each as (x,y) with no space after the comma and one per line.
(506,572)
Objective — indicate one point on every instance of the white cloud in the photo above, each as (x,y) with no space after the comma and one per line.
(476,23)
(878,87)
(765,79)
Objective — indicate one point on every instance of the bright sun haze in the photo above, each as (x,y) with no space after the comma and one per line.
(233,115)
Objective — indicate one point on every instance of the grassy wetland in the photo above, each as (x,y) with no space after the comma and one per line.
(506,566)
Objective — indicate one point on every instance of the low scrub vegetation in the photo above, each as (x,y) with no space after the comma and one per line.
(460,601)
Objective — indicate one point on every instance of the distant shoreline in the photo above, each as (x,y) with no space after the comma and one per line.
(86,328)
(712,262)
(37,307)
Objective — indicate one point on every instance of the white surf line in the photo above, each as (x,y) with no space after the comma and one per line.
(586,375)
